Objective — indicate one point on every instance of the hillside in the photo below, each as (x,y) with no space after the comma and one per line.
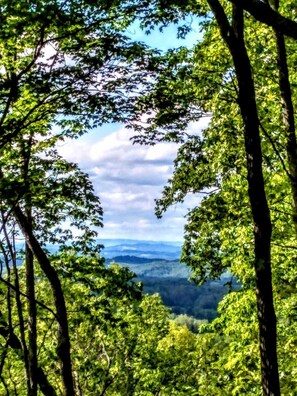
(168,277)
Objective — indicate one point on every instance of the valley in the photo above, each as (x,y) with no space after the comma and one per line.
(157,266)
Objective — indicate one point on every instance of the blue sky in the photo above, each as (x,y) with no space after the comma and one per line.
(167,39)
(128,178)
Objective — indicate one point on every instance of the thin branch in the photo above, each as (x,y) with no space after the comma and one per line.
(284,246)
(275,149)
(5,385)
(45,336)
(3,357)
(282,212)
(25,295)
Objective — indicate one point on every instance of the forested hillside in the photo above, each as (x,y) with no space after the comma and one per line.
(170,279)
(72,326)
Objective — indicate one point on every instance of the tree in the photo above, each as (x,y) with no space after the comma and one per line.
(234,38)
(206,165)
(114,329)
(65,67)
(263,12)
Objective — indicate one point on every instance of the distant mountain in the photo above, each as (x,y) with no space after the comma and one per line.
(157,266)
(146,258)
(143,249)
(134,260)
(147,268)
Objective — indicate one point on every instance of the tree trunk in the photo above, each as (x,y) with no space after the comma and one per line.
(32,329)
(14,343)
(288,111)
(12,254)
(262,12)
(257,196)
(63,347)
(46,388)
(30,280)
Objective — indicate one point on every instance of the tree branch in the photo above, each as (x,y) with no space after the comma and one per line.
(275,150)
(25,295)
(264,13)
(14,343)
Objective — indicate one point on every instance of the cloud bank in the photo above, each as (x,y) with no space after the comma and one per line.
(128,178)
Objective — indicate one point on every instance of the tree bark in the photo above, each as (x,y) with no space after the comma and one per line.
(30,280)
(233,36)
(13,342)
(32,328)
(288,111)
(262,11)
(12,254)
(63,347)
(46,388)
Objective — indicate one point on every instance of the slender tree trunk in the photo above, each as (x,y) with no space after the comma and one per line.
(78,390)
(288,111)
(63,348)
(30,279)
(44,385)
(13,342)
(22,326)
(12,254)
(32,328)
(8,276)
(233,36)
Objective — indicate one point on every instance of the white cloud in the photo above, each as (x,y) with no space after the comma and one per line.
(128,178)
(161,152)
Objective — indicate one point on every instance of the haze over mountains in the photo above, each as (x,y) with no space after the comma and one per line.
(139,248)
(157,265)
(147,259)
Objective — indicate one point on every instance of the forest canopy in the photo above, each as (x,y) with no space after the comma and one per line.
(70,325)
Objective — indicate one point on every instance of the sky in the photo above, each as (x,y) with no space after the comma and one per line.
(128,178)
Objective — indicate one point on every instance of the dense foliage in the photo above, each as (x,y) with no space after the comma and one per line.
(184,297)
(244,163)
(69,325)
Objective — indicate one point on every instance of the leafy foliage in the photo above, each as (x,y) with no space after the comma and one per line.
(67,67)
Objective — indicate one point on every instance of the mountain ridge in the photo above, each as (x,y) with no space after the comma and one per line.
(140,248)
